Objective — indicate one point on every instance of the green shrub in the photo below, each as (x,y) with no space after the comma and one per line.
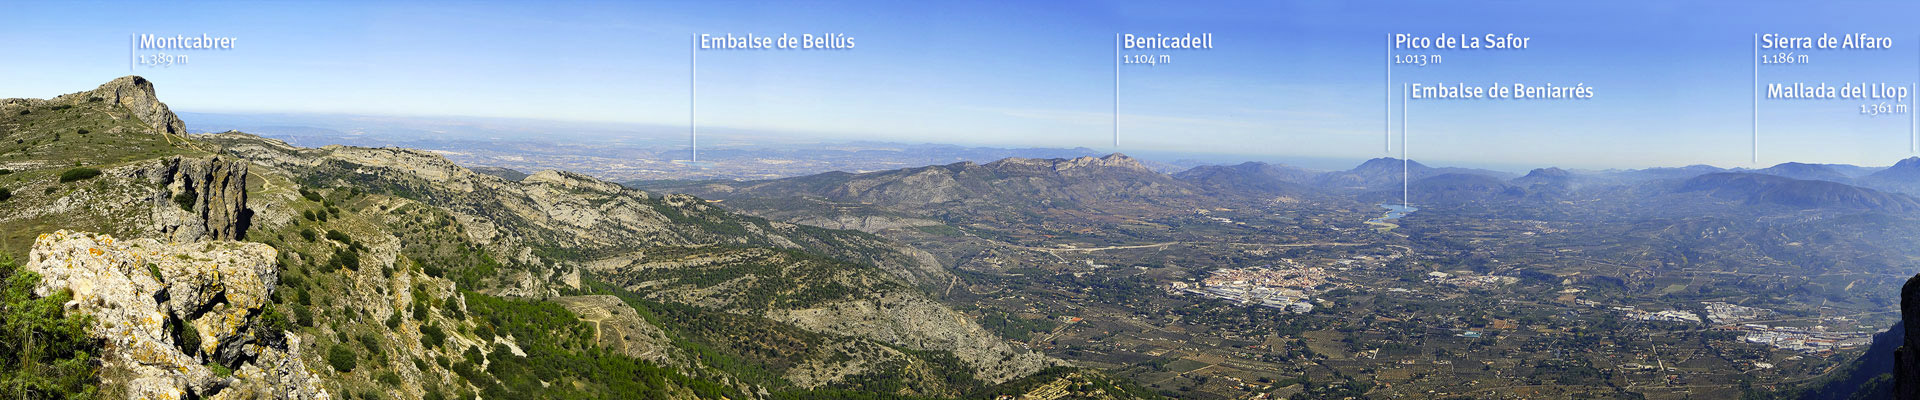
(372,343)
(220,370)
(185,336)
(82,131)
(431,336)
(393,321)
(5,194)
(344,258)
(304,315)
(309,195)
(46,351)
(275,321)
(341,358)
(308,234)
(452,310)
(78,174)
(185,200)
(4,171)
(389,378)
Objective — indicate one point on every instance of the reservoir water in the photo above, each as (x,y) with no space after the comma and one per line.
(1394,211)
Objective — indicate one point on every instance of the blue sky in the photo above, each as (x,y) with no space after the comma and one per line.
(1673,80)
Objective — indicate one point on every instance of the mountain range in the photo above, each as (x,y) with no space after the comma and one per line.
(377,272)
(343,271)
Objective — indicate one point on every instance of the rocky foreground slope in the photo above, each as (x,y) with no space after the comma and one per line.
(287,272)
(178,320)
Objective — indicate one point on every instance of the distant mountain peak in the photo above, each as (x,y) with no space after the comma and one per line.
(133,93)
(1387,162)
(1908,163)
(137,95)
(1115,160)
(1548,172)
(1799,170)
(1545,176)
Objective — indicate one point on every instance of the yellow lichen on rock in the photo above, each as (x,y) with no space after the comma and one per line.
(217,297)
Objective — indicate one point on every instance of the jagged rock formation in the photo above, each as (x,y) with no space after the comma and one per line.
(212,193)
(136,94)
(174,199)
(168,313)
(1906,359)
(132,92)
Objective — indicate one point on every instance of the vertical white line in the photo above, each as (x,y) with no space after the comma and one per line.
(1386,100)
(1116,91)
(693,82)
(130,51)
(1913,133)
(1756,98)
(1406,175)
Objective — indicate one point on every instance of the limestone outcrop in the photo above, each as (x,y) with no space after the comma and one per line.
(178,320)
(136,94)
(204,198)
(133,93)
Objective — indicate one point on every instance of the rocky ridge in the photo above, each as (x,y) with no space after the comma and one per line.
(553,209)
(132,92)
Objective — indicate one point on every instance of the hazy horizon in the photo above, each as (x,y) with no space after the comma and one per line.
(611,131)
(1290,79)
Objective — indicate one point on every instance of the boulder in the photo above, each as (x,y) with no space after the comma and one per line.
(167,312)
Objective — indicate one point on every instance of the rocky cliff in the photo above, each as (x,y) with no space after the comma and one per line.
(210,193)
(1906,359)
(132,95)
(178,320)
